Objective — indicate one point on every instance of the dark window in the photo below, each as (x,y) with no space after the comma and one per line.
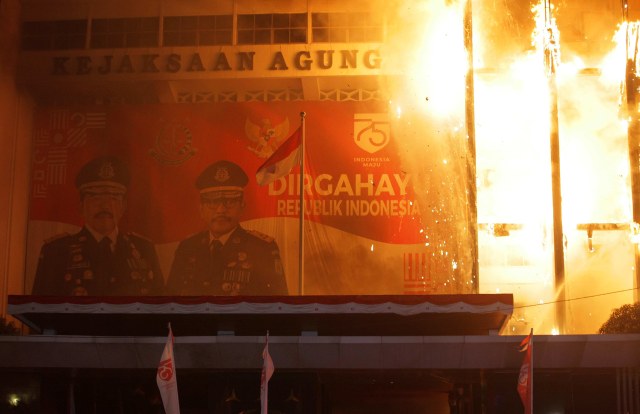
(189,23)
(298,20)
(346,27)
(320,20)
(120,33)
(281,36)
(197,30)
(298,36)
(223,37)
(246,21)
(281,20)
(224,22)
(263,21)
(245,37)
(172,38)
(100,26)
(263,36)
(320,35)
(54,35)
(171,24)
(275,28)
(206,22)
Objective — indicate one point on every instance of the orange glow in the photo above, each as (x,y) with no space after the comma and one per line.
(434,81)
(513,174)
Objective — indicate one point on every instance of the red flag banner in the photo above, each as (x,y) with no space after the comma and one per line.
(525,379)
(267,372)
(282,161)
(166,378)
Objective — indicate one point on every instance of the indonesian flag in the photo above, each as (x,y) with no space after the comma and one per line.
(166,378)
(282,161)
(267,372)
(525,380)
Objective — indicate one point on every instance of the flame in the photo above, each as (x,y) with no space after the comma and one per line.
(512,131)
(438,35)
(594,174)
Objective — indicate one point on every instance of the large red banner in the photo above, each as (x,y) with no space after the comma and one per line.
(381,215)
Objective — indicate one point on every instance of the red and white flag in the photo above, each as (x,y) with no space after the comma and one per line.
(166,378)
(267,372)
(282,161)
(525,380)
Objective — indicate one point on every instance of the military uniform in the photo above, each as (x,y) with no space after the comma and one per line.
(247,264)
(71,265)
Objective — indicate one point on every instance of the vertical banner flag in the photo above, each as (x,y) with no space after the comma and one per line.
(267,372)
(282,160)
(525,380)
(166,378)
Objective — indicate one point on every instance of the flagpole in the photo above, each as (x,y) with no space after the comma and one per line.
(301,226)
(525,377)
(531,367)
(267,372)
(166,377)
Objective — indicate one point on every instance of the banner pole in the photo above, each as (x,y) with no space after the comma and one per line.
(301,226)
(531,385)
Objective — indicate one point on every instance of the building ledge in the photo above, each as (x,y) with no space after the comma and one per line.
(371,315)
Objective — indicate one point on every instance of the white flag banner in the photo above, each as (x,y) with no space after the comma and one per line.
(166,378)
(267,372)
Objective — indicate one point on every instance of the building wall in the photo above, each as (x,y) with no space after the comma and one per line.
(326,374)
(15,140)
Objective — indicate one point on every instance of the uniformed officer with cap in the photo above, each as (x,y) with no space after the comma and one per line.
(226,259)
(99,260)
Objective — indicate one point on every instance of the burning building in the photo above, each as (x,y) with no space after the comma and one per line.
(485,151)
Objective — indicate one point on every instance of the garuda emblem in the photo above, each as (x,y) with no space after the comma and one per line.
(265,137)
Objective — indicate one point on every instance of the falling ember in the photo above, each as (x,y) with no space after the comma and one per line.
(634,235)
(437,30)
(398,112)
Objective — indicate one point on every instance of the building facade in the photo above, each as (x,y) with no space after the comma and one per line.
(173,84)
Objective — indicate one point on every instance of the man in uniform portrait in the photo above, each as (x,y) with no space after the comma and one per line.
(225,259)
(99,260)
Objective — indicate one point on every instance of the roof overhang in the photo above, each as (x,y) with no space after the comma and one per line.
(386,315)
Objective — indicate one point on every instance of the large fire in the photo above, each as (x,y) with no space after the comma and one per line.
(513,174)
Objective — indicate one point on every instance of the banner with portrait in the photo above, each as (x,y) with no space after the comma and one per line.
(385,203)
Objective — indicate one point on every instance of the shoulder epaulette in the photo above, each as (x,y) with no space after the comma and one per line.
(261,236)
(56,237)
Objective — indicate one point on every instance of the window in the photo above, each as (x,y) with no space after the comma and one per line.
(54,35)
(272,28)
(346,27)
(120,33)
(209,30)
(197,30)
